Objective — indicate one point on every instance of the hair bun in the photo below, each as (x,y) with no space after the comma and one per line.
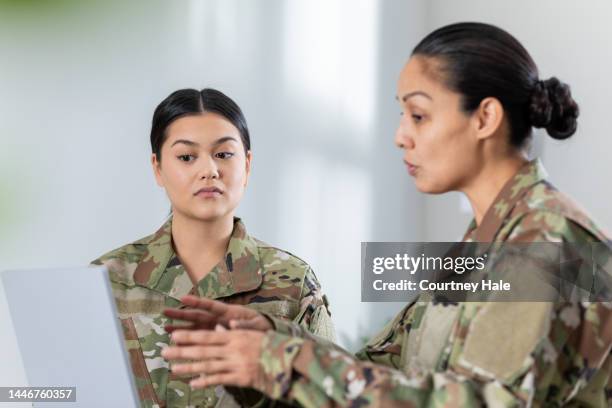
(552,107)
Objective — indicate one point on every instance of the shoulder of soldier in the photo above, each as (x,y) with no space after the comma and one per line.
(272,257)
(546,225)
(122,262)
(555,214)
(281,264)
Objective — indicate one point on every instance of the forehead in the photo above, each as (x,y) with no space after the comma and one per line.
(421,74)
(203,128)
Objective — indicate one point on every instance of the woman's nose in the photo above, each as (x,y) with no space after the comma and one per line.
(403,140)
(208,169)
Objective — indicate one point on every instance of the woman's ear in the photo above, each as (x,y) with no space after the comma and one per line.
(156,164)
(488,118)
(249,157)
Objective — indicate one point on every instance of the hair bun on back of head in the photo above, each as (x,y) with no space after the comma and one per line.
(553,108)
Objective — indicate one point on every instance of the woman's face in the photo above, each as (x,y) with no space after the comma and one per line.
(438,139)
(203,166)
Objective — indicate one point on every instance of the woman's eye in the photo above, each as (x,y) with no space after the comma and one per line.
(186,157)
(417,118)
(224,155)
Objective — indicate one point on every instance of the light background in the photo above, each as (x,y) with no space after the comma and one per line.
(316,80)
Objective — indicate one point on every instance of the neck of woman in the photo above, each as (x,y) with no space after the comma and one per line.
(482,190)
(200,244)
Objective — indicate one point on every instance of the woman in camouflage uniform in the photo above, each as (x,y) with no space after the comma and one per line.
(470,95)
(201,156)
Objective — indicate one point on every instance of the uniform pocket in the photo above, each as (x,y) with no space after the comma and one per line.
(501,338)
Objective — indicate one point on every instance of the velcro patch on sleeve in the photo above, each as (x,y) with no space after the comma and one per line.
(502,336)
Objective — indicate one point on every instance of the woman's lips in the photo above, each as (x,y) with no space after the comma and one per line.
(208,192)
(412,169)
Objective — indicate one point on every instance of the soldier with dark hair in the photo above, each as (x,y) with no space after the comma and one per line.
(470,95)
(201,156)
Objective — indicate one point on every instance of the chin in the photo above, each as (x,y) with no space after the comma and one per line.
(430,188)
(209,215)
(205,214)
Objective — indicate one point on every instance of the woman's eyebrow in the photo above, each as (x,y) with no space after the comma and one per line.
(217,142)
(185,141)
(415,93)
(223,140)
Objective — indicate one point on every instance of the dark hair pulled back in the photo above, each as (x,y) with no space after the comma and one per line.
(480,60)
(186,102)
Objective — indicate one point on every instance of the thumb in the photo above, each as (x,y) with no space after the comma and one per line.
(220,327)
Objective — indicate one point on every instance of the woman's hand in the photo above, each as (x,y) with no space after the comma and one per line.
(206,314)
(223,357)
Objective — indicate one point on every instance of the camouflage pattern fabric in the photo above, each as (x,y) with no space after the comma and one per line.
(502,354)
(147,277)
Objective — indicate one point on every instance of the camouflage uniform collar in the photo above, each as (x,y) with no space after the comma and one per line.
(531,173)
(161,270)
(241,265)
(157,253)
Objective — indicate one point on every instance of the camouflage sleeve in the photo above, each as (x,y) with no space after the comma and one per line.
(314,375)
(570,365)
(386,347)
(314,318)
(314,313)
(573,364)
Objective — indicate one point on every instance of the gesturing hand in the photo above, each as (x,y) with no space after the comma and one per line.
(223,357)
(206,314)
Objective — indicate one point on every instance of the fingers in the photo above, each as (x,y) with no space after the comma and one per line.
(258,323)
(173,327)
(222,357)
(239,324)
(208,367)
(195,316)
(192,353)
(202,337)
(217,379)
(212,306)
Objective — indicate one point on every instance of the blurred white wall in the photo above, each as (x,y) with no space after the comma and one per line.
(316,80)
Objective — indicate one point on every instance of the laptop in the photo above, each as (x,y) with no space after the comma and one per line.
(69,335)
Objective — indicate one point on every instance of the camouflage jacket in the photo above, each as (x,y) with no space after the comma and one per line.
(147,276)
(467,354)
